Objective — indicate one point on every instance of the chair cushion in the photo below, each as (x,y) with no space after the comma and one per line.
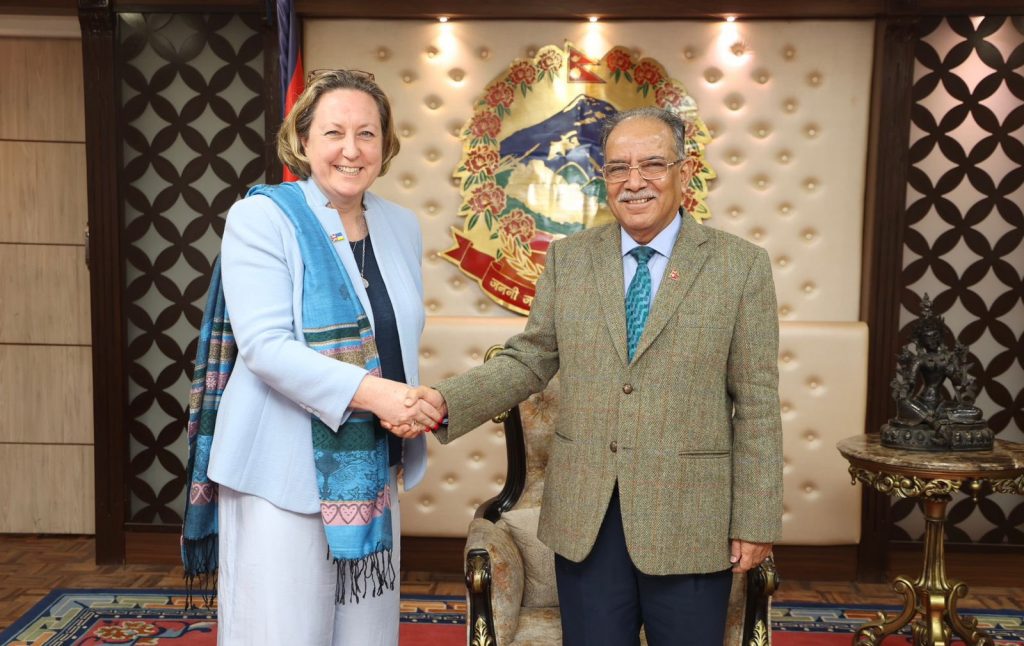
(538,559)
(539,627)
(539,413)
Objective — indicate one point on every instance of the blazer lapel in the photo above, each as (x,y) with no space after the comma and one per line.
(607,259)
(688,256)
(330,220)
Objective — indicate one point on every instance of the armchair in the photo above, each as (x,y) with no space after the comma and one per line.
(510,578)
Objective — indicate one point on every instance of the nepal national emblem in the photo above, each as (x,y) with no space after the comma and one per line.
(530,171)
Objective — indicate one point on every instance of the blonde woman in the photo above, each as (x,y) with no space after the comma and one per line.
(322,283)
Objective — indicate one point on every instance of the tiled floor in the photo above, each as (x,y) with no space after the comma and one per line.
(31,566)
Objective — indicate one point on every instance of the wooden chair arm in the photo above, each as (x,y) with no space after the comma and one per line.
(493,562)
(762,582)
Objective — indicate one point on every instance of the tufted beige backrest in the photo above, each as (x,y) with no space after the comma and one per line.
(823,370)
(787,105)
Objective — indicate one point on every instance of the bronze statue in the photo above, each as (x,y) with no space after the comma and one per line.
(927,419)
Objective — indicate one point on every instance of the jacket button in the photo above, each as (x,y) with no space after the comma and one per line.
(614,446)
(628,388)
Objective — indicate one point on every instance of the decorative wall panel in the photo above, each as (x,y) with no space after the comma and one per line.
(46,423)
(46,396)
(48,488)
(44,294)
(787,104)
(42,89)
(31,213)
(965,235)
(192,108)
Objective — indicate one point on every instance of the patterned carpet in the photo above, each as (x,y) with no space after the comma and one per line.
(812,624)
(155,617)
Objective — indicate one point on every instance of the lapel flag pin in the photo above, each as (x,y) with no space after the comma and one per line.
(673,275)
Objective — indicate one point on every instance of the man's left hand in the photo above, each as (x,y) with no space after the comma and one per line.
(745,555)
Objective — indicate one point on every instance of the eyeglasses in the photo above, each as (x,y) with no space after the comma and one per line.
(312,75)
(649,169)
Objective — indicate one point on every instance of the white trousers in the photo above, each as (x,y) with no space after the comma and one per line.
(276,585)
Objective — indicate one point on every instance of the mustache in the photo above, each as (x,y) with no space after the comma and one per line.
(627,195)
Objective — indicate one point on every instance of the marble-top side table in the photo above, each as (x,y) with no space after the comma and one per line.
(933,477)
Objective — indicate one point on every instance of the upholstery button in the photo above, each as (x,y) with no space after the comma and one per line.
(614,446)
(628,388)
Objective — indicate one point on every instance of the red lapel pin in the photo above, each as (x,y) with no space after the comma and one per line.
(673,275)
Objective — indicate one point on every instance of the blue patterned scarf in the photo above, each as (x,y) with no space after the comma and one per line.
(351,463)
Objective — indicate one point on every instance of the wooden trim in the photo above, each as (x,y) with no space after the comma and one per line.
(158,545)
(106,277)
(192,6)
(542,9)
(429,554)
(651,10)
(987,565)
(40,7)
(272,117)
(976,564)
(956,7)
(145,545)
(995,551)
(579,10)
(984,565)
(816,562)
(884,224)
(56,26)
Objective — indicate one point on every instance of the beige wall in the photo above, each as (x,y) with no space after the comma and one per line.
(46,430)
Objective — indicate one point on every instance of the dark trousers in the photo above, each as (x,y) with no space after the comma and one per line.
(604,599)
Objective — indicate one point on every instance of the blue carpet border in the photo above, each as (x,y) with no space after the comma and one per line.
(39,610)
(833,620)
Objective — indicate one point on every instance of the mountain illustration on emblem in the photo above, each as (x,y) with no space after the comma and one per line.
(571,135)
(557,176)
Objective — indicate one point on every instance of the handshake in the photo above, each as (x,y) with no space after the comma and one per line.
(403,410)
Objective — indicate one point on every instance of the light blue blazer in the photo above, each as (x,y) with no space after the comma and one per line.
(262,443)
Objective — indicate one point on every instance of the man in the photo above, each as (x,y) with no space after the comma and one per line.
(666,465)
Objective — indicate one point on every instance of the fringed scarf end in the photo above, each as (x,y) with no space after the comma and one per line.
(199,559)
(371,574)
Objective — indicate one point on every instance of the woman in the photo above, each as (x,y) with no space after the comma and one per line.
(308,551)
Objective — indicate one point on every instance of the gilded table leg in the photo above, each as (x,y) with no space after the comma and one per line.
(931,595)
(965,627)
(872,633)
(932,587)
(937,594)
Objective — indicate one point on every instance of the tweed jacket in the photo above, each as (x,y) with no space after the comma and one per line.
(690,428)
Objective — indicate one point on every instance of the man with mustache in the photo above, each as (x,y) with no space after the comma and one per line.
(665,472)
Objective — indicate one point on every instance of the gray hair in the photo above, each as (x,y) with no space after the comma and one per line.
(674,122)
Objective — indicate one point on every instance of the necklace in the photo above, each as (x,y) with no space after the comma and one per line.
(366,228)
(362,261)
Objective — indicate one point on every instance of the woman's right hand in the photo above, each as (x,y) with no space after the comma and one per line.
(387,400)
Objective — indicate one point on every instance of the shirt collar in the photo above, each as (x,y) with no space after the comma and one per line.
(662,243)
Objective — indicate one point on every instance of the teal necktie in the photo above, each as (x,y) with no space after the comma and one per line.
(638,298)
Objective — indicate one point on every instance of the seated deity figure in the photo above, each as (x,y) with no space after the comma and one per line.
(927,418)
